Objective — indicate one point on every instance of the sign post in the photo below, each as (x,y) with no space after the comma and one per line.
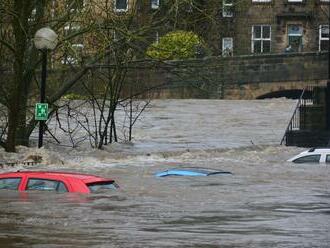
(41,112)
(41,115)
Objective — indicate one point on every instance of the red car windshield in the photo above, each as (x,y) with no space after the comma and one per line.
(98,186)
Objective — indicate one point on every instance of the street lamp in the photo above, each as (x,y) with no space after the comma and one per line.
(45,39)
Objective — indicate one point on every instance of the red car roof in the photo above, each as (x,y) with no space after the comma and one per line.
(75,182)
(84,177)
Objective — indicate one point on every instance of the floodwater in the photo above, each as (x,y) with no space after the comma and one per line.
(266,202)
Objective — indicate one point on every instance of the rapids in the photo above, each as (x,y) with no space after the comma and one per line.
(267,202)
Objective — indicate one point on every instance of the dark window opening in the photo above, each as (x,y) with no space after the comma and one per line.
(324,38)
(47,185)
(261,39)
(295,38)
(154,4)
(308,159)
(327,159)
(121,4)
(94,187)
(10,183)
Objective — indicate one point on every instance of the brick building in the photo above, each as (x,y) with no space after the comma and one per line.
(272,26)
(252,26)
(235,27)
(229,27)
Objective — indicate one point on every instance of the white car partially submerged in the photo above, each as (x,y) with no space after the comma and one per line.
(313,155)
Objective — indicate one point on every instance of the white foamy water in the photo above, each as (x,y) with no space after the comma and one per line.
(267,202)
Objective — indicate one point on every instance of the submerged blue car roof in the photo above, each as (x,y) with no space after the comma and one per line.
(190,171)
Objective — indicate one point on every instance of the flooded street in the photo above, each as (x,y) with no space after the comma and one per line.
(266,202)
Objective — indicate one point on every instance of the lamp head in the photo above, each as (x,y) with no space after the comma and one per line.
(45,38)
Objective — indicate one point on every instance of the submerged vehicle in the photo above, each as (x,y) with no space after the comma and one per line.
(313,155)
(190,171)
(54,181)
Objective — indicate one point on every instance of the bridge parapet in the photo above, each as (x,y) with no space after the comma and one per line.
(239,77)
(246,77)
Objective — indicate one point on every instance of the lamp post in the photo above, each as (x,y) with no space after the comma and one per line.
(45,39)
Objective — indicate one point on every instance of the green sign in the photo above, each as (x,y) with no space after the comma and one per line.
(41,112)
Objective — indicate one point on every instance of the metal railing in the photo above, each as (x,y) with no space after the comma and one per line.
(298,116)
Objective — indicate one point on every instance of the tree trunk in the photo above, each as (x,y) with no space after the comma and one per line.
(17,98)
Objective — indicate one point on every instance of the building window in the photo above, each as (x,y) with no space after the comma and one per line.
(154,4)
(70,29)
(189,6)
(324,1)
(227,8)
(73,53)
(121,5)
(227,46)
(157,37)
(261,38)
(32,17)
(324,38)
(295,41)
(75,5)
(261,1)
(114,36)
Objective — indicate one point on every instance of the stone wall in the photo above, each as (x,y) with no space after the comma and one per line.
(242,77)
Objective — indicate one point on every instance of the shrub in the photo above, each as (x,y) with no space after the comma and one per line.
(177,45)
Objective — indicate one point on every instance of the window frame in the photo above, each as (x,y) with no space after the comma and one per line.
(154,5)
(296,35)
(326,39)
(227,10)
(120,10)
(231,51)
(59,182)
(114,36)
(261,39)
(261,1)
(157,37)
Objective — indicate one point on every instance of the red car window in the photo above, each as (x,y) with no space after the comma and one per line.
(46,184)
(10,183)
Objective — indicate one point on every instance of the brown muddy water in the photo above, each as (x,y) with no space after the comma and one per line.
(266,202)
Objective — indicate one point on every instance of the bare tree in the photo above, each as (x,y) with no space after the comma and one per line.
(20,20)
(113,39)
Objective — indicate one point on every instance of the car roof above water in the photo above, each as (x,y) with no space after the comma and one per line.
(84,177)
(322,152)
(320,149)
(190,171)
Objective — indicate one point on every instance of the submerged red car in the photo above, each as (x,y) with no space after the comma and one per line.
(55,181)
